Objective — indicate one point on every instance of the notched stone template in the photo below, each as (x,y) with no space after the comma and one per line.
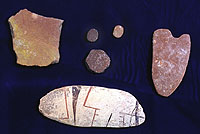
(170,59)
(92,106)
(35,38)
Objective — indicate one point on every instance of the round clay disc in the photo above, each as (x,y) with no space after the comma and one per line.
(92,35)
(118,31)
(97,61)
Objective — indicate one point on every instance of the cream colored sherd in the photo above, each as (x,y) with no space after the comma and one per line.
(92,106)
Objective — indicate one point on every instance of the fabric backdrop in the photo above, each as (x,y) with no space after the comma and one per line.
(21,87)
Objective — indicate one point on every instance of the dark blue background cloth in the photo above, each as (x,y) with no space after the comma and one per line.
(21,87)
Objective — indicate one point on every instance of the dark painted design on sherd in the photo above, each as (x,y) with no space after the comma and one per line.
(109,119)
(75,93)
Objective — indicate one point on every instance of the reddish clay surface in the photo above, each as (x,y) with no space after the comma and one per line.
(170,59)
(97,61)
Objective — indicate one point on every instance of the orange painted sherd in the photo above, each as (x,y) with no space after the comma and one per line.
(35,38)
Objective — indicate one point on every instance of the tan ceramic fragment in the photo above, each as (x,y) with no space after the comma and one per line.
(92,106)
(35,38)
(170,59)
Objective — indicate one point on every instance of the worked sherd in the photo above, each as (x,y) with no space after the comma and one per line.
(92,35)
(97,61)
(170,59)
(35,38)
(92,106)
(118,31)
